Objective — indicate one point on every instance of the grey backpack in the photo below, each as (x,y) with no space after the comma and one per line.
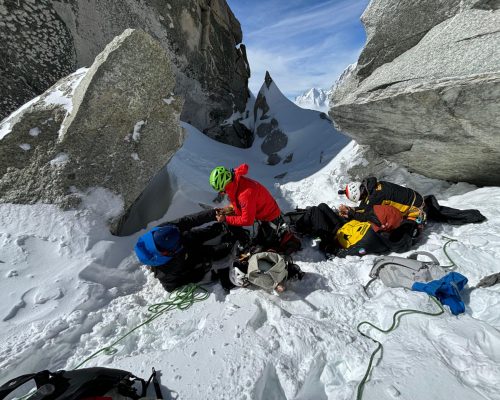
(403,272)
(266,270)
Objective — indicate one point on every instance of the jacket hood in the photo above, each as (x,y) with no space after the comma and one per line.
(232,186)
(241,170)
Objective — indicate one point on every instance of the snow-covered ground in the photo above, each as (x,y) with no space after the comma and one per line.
(69,288)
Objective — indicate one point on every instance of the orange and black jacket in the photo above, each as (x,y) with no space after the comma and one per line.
(409,202)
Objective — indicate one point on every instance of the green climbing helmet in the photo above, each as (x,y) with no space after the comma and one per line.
(220,177)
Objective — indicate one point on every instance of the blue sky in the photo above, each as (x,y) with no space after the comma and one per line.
(303,43)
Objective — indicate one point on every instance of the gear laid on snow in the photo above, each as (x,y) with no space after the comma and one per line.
(446,290)
(86,383)
(266,270)
(237,276)
(404,272)
(489,281)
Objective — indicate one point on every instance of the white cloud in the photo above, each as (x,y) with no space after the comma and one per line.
(324,16)
(302,44)
(295,74)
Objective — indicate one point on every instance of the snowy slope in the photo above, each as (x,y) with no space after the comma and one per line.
(312,139)
(314,99)
(70,288)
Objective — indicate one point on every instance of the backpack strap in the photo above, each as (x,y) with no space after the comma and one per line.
(365,287)
(380,263)
(415,254)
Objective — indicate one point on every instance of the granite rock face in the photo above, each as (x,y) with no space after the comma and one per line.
(115,126)
(431,103)
(392,27)
(46,40)
(37,50)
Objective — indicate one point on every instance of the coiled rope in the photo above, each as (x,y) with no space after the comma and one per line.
(181,298)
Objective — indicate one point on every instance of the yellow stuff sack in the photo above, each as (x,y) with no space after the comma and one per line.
(351,233)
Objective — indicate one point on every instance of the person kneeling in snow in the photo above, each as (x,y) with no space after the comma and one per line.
(176,250)
(250,202)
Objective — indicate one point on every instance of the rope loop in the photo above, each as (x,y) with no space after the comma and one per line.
(396,317)
(452,266)
(181,298)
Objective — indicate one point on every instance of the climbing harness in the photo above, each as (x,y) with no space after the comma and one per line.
(181,298)
(395,322)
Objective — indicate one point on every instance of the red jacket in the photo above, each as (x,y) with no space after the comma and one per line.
(251,201)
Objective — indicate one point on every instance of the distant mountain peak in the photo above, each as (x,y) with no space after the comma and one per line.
(314,99)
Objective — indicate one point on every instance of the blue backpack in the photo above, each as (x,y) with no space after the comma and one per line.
(158,246)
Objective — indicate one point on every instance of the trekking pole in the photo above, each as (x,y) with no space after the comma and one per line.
(156,385)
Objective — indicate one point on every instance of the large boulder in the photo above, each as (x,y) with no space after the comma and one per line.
(45,40)
(429,101)
(114,126)
(394,26)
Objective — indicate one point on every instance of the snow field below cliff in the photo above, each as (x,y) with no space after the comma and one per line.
(69,288)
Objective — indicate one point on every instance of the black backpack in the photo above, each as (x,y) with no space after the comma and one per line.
(79,384)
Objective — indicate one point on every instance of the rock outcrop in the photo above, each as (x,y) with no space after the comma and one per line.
(426,94)
(43,41)
(114,125)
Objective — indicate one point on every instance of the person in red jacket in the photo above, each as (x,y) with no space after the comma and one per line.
(250,200)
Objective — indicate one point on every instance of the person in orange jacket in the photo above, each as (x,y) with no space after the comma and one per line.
(250,200)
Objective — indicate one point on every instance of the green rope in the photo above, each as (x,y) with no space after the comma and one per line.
(181,298)
(395,322)
(452,265)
